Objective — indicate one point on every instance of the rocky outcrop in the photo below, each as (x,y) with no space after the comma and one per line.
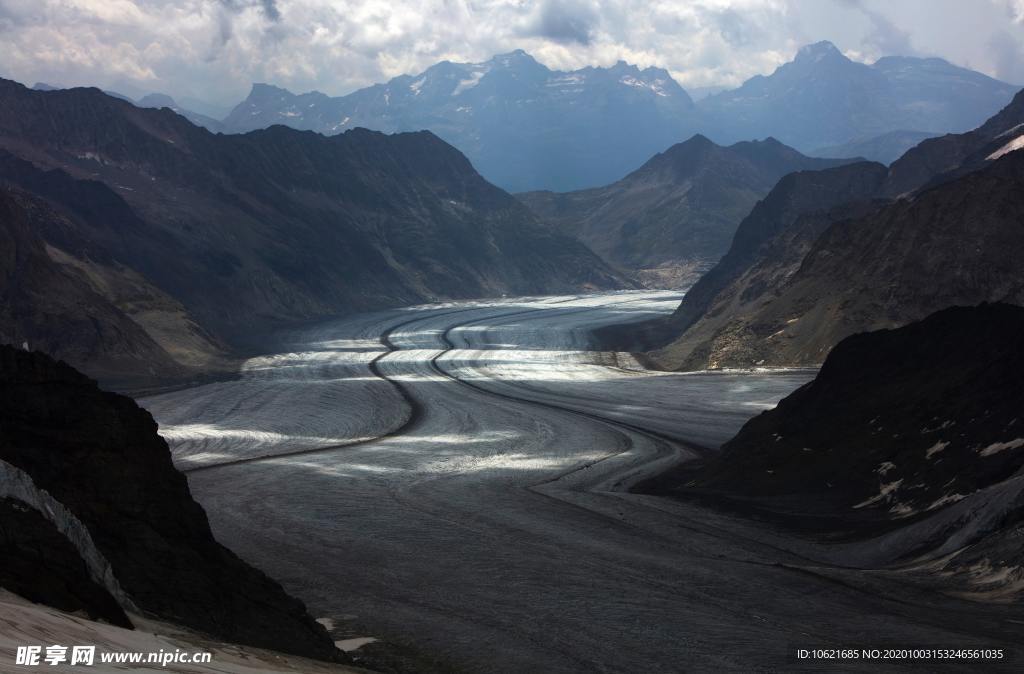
(42,565)
(98,455)
(674,217)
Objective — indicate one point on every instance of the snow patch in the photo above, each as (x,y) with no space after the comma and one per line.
(656,86)
(19,485)
(997,447)
(935,449)
(885,467)
(945,500)
(1015,144)
(469,83)
(349,645)
(417,86)
(884,492)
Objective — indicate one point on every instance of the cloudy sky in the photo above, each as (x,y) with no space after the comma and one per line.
(214,49)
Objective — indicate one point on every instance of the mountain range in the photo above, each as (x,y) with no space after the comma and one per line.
(822,98)
(860,247)
(674,217)
(526,127)
(205,240)
(522,125)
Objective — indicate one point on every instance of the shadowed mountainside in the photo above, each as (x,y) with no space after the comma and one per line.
(916,429)
(100,457)
(826,254)
(249,232)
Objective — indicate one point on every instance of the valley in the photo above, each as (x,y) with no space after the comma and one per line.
(457,477)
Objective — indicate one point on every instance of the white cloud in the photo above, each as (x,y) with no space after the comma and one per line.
(214,49)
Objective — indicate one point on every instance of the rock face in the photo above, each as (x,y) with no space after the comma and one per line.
(98,454)
(65,306)
(523,126)
(828,254)
(897,424)
(821,98)
(42,565)
(677,213)
(246,232)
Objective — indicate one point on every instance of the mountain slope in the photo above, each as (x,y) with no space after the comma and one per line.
(940,159)
(821,98)
(251,231)
(523,126)
(728,317)
(60,304)
(92,465)
(678,211)
(954,244)
(915,430)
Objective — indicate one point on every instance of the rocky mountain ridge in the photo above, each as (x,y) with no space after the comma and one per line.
(249,232)
(804,271)
(673,218)
(527,127)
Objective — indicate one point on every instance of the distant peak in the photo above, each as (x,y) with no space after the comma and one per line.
(157,100)
(696,140)
(817,51)
(263,90)
(513,57)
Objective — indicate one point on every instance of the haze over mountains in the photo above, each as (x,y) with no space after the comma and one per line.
(526,127)
(674,217)
(822,98)
(522,125)
(200,238)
